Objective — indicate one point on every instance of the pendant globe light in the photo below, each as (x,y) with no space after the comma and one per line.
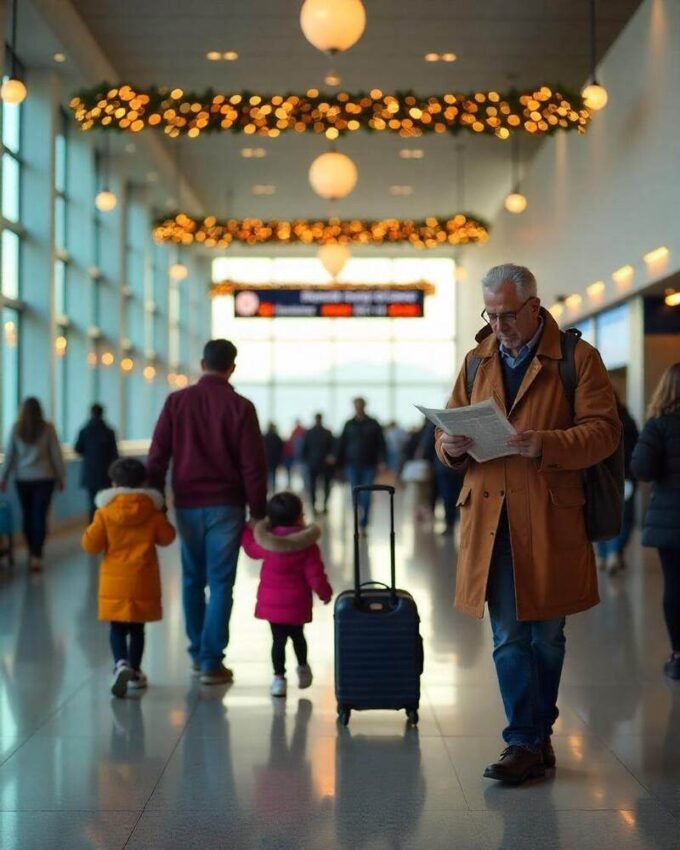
(594,95)
(178,271)
(105,200)
(333,175)
(332,25)
(333,257)
(515,202)
(13,90)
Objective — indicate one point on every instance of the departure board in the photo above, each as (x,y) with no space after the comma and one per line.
(318,302)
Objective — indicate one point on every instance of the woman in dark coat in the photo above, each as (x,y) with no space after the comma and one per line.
(657,458)
(96,444)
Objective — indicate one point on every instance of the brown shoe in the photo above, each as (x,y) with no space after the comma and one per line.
(549,759)
(219,676)
(516,764)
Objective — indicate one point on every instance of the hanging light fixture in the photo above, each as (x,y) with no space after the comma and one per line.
(178,271)
(333,175)
(332,25)
(13,90)
(333,257)
(515,202)
(594,95)
(105,201)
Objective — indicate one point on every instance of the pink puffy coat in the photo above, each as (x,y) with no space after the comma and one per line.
(292,569)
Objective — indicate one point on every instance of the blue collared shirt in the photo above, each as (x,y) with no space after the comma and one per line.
(525,351)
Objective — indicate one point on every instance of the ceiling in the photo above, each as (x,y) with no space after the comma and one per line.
(498,43)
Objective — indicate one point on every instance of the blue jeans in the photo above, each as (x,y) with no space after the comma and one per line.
(528,655)
(210,540)
(617,544)
(356,476)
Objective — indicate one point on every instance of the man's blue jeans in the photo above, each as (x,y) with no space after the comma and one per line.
(210,539)
(361,475)
(528,655)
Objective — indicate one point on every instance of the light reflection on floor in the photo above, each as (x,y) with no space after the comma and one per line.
(187,766)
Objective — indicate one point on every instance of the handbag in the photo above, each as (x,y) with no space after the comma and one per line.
(416,472)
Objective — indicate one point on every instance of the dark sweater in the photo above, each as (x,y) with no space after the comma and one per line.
(361,443)
(512,379)
(656,458)
(212,435)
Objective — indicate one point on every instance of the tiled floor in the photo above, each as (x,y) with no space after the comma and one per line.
(185,766)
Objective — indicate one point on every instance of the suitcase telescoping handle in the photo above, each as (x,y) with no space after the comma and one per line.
(372,488)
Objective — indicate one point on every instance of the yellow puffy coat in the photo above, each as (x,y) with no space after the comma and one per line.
(127,527)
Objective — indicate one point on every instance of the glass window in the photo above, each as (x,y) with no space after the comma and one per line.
(60,288)
(11,173)
(11,126)
(10,264)
(613,336)
(371,360)
(60,222)
(60,164)
(10,369)
(61,388)
(424,361)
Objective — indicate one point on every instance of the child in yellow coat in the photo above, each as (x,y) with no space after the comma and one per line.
(127,527)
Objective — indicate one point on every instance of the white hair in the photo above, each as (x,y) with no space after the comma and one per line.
(519,276)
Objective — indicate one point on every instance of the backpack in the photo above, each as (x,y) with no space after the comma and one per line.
(604,482)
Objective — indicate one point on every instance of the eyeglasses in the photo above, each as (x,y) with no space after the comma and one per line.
(504,318)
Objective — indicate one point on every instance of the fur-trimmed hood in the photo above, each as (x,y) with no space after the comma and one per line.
(128,505)
(104,497)
(285,538)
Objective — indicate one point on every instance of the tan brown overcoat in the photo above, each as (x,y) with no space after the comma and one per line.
(553,559)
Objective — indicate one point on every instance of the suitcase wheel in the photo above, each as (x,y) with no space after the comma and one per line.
(412,714)
(344,715)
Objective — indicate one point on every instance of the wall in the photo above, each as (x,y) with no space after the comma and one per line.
(600,201)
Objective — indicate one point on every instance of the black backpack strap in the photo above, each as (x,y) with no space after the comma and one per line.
(567,365)
(471,367)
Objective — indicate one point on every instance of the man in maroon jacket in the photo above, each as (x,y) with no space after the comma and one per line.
(213,438)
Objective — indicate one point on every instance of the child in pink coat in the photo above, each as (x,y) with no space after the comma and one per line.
(292,569)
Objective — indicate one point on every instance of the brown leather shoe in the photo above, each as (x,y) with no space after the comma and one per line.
(516,765)
(549,759)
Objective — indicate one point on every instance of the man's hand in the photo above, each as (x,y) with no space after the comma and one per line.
(456,446)
(529,443)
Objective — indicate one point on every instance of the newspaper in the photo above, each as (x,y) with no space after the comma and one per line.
(484,422)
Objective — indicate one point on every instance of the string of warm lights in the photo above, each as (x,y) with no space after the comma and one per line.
(128,108)
(230,287)
(429,233)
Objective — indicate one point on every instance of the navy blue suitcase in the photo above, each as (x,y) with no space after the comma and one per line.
(378,648)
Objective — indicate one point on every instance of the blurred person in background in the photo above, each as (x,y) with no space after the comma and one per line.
(33,454)
(656,458)
(96,444)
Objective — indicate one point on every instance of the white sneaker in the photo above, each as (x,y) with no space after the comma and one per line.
(122,673)
(278,688)
(304,676)
(138,681)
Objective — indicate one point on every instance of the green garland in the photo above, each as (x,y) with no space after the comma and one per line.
(126,108)
(431,232)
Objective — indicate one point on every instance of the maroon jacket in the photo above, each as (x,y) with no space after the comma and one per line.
(212,435)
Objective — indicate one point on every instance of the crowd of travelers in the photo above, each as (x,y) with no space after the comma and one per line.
(510,511)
